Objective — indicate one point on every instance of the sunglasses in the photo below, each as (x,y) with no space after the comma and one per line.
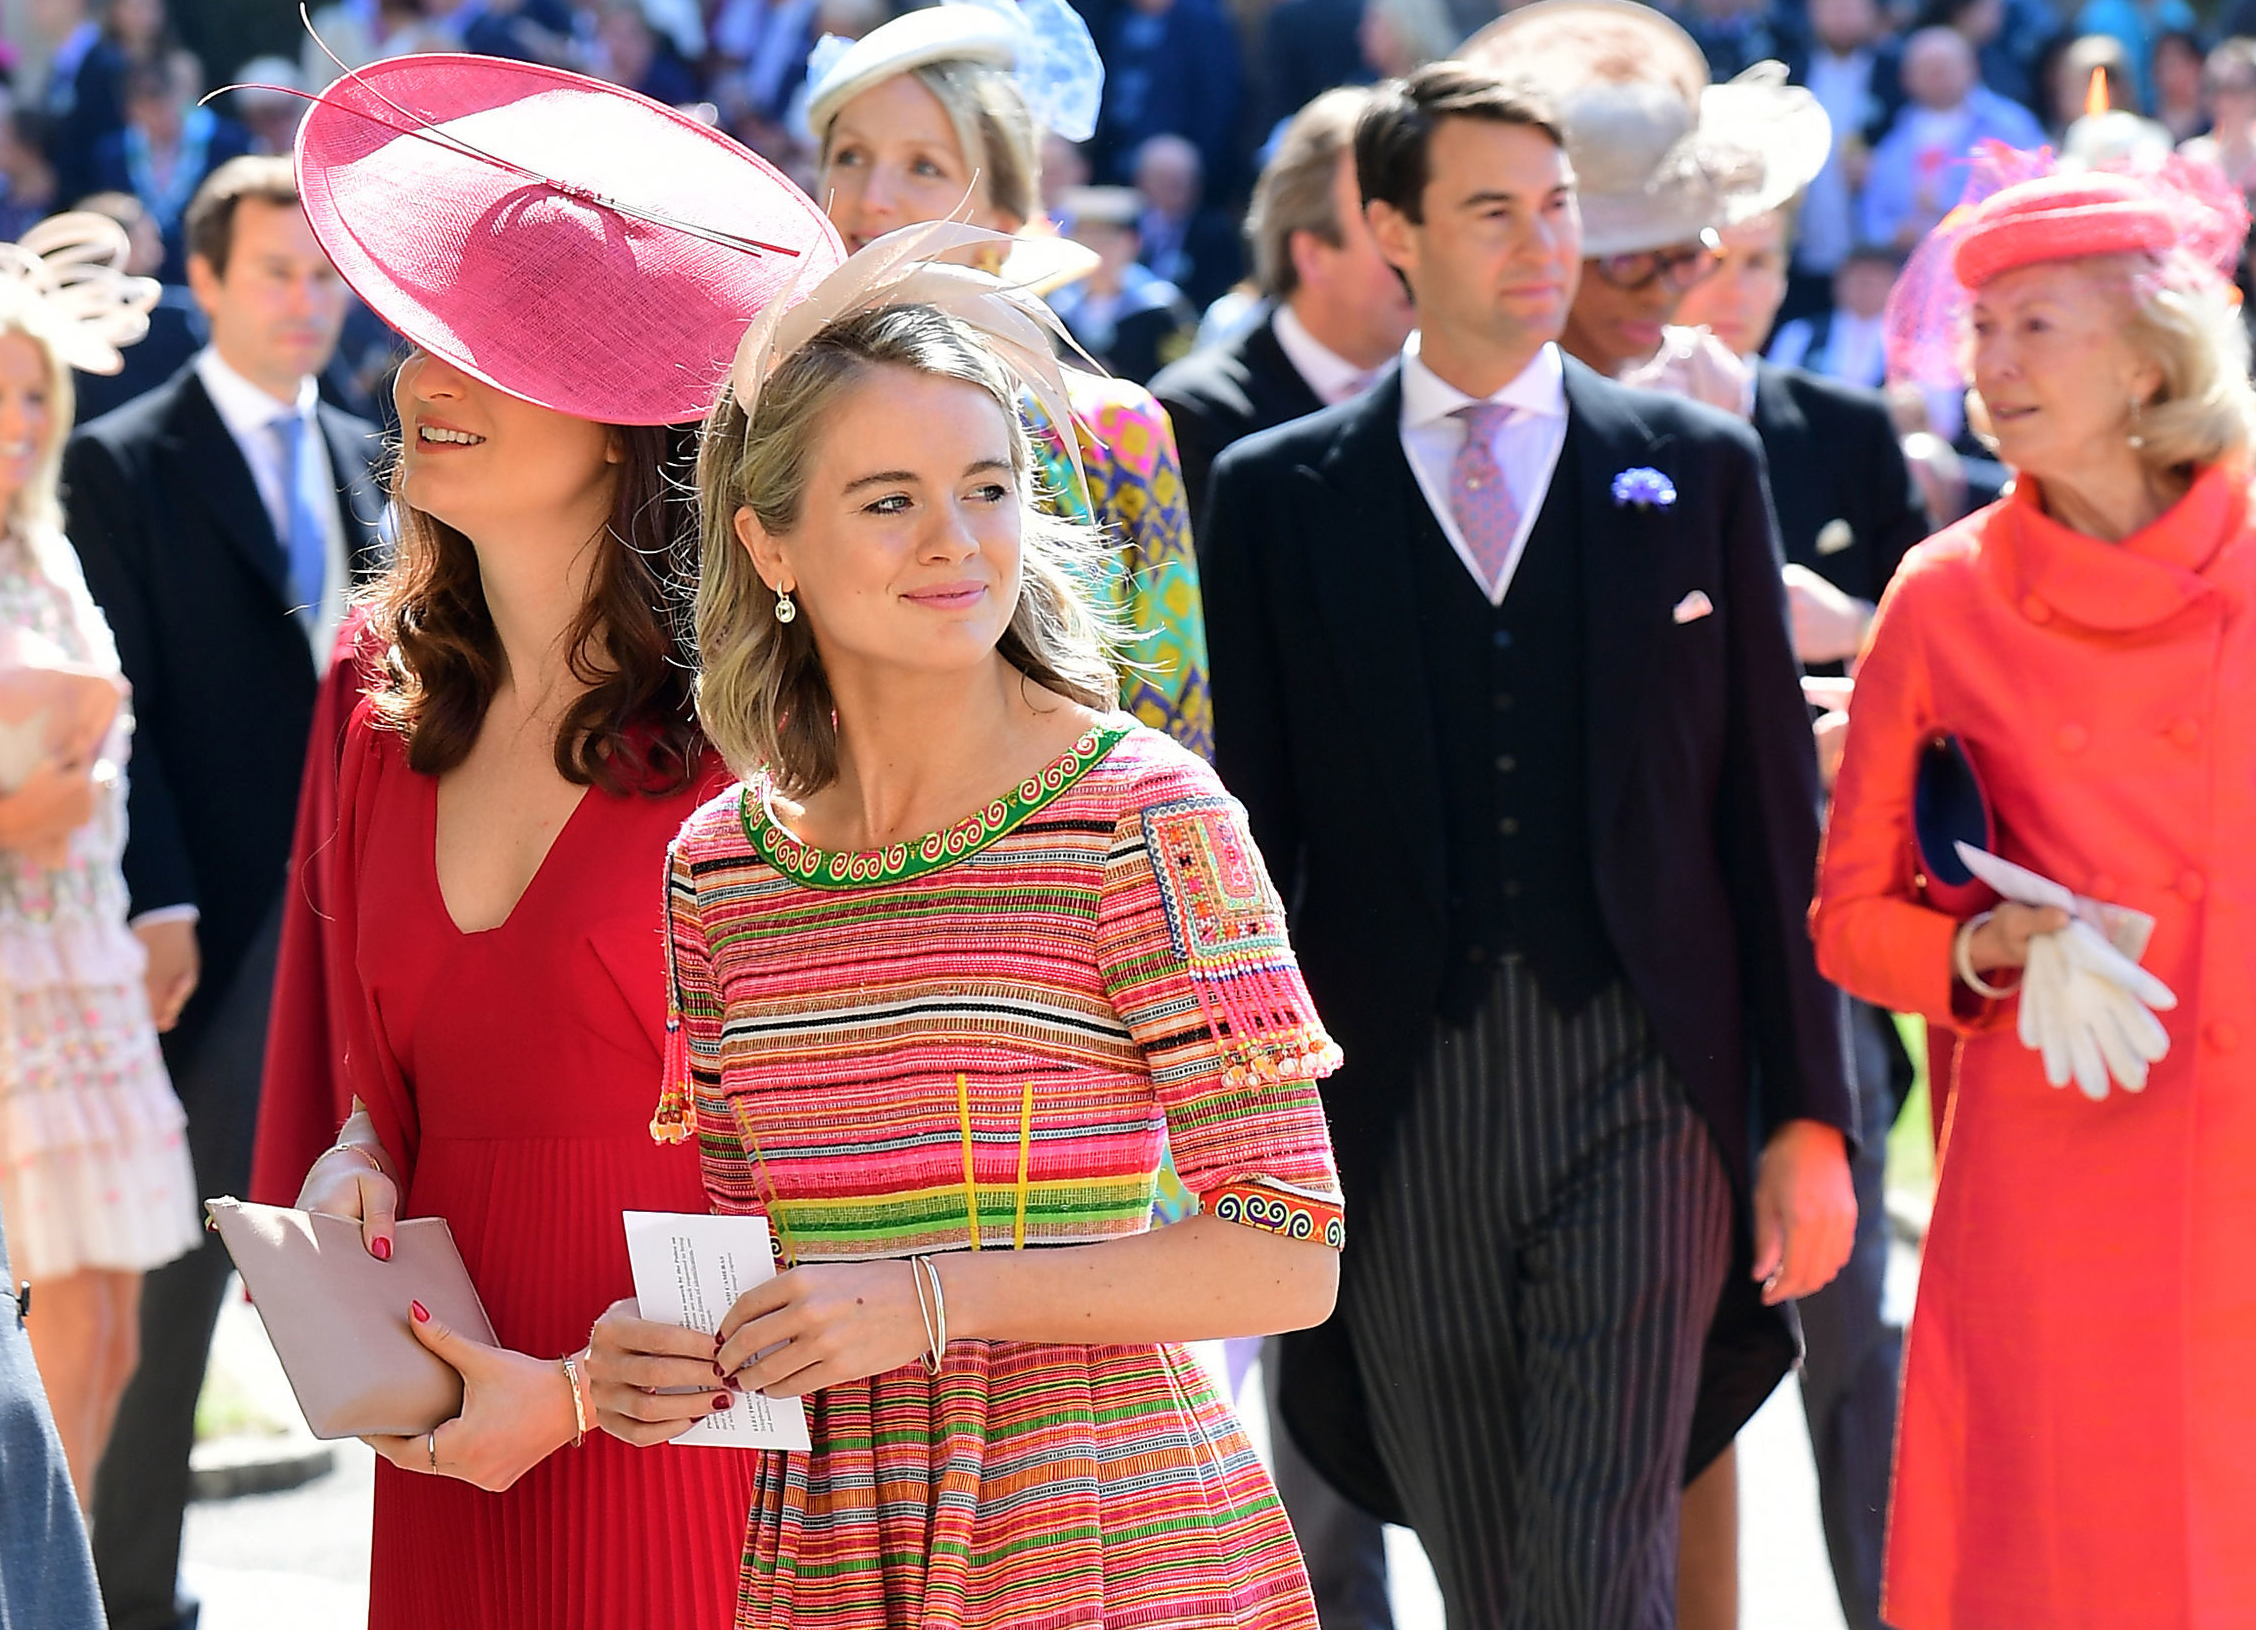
(1686,266)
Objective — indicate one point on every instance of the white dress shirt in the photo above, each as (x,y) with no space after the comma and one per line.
(1331,376)
(1526,446)
(249,414)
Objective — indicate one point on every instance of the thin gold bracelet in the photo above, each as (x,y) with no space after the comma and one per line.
(572,1373)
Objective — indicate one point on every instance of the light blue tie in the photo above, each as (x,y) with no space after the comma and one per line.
(307,541)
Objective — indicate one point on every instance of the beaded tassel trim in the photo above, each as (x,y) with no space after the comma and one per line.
(1228,925)
(670,1124)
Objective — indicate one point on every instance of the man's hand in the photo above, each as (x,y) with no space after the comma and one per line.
(174,966)
(1829,626)
(1805,1210)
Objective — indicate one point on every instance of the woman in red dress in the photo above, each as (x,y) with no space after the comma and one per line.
(508,792)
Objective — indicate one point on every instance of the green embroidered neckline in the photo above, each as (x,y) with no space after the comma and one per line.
(843,869)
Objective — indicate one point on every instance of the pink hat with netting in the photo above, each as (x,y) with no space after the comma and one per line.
(2022,209)
(562,239)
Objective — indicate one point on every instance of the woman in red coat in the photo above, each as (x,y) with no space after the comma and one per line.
(509,788)
(2078,1437)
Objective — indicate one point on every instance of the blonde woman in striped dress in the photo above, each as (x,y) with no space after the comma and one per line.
(958,954)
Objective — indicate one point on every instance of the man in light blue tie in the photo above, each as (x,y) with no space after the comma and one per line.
(223,518)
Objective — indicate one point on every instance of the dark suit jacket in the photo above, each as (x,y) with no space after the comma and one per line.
(1847,508)
(1701,788)
(181,555)
(1221,394)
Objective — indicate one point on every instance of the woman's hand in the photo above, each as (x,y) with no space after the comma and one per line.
(516,1412)
(651,1382)
(174,964)
(344,1183)
(2003,941)
(55,800)
(828,1323)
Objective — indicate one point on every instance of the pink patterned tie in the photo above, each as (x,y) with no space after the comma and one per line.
(1487,514)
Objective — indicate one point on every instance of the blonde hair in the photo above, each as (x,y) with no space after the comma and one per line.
(2181,318)
(1000,141)
(37,511)
(763,698)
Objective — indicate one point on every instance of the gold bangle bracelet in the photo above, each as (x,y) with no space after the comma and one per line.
(572,1373)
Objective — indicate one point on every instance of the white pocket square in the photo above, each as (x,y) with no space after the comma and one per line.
(1835,536)
(1693,607)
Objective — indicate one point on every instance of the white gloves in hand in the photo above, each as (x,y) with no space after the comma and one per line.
(2089,1010)
(2086,1005)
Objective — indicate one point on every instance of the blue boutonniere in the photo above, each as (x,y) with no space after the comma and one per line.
(1646,488)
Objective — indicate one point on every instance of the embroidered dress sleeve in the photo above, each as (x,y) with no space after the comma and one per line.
(1191,941)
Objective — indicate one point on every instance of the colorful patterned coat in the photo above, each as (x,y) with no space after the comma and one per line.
(1135,491)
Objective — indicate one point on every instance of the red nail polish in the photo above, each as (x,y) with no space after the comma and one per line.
(381,1249)
(723,1374)
(422,1313)
(720,1401)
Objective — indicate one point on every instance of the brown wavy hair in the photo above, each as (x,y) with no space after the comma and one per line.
(635,727)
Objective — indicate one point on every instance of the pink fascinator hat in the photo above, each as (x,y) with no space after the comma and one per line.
(2025,209)
(561,239)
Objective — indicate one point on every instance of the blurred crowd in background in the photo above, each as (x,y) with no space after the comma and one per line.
(109,105)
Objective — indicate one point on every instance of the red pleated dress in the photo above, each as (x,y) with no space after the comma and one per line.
(510,1073)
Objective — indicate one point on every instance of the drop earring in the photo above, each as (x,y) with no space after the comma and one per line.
(2136,440)
(785,611)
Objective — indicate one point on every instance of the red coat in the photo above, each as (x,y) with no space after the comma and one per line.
(2078,1436)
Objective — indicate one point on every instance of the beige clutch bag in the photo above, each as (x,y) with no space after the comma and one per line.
(338,1317)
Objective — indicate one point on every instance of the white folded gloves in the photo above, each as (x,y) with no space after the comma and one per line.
(2086,1005)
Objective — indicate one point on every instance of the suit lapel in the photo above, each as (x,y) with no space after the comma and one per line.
(211,467)
(1283,394)
(359,499)
(1795,491)
(1624,557)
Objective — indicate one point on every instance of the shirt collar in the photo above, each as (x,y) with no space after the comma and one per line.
(1331,376)
(244,407)
(1428,399)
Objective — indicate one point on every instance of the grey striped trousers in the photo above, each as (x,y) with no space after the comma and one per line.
(1528,1292)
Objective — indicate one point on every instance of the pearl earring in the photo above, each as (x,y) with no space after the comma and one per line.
(785,611)
(2136,440)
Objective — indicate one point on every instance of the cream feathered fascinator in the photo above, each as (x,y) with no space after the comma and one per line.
(903,269)
(69,268)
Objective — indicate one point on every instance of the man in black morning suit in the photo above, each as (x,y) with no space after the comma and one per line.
(1502,676)
(222,518)
(1336,312)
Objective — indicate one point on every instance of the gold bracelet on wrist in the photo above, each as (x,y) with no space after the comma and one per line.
(572,1375)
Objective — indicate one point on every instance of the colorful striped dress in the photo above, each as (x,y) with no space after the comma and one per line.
(980,1041)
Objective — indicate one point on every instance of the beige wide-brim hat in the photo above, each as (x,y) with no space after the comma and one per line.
(1660,154)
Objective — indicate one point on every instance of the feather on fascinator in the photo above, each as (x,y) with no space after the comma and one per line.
(903,269)
(70,266)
